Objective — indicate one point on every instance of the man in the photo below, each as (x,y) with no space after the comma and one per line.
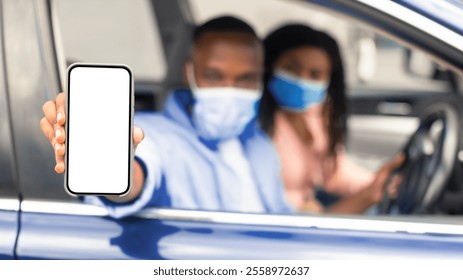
(205,150)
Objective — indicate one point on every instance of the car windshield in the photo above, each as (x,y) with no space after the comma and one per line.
(446,12)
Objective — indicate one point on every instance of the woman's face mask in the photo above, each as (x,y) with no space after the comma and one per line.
(296,94)
(221,113)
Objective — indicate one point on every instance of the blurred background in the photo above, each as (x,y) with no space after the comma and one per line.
(375,65)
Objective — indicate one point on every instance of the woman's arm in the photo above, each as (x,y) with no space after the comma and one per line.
(346,178)
(372,194)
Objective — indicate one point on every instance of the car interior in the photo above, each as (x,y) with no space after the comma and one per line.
(399,97)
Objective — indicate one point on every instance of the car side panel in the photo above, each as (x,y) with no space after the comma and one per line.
(8,230)
(55,236)
(187,240)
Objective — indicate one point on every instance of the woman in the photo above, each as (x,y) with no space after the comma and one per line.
(304,111)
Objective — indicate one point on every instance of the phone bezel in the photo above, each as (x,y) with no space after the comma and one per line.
(130,134)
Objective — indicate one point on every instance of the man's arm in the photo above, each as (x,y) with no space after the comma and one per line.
(137,186)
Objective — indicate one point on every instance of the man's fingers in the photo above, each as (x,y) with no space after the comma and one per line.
(60,134)
(59,167)
(59,149)
(59,156)
(52,126)
(47,129)
(54,114)
(60,109)
(49,110)
(138,136)
(49,132)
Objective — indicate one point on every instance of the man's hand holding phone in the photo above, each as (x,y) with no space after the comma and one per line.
(52,125)
(90,130)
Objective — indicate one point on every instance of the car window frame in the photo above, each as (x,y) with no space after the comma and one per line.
(450,225)
(31,80)
(9,183)
(406,31)
(157,213)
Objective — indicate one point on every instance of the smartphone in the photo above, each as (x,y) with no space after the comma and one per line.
(99,111)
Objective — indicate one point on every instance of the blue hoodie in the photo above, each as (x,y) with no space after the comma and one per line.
(184,172)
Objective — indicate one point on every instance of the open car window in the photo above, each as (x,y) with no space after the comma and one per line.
(108,31)
(376,65)
(372,60)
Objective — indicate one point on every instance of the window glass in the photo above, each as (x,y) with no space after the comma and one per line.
(376,68)
(113,31)
(371,61)
(127,33)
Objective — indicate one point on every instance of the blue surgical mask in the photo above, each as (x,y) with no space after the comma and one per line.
(295,94)
(221,113)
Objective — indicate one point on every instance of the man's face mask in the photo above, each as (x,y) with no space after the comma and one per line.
(221,113)
(295,94)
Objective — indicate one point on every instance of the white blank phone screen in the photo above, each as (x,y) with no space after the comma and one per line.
(99,124)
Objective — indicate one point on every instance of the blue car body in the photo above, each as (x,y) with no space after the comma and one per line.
(177,234)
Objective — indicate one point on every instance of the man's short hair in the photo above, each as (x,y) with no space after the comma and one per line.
(223,24)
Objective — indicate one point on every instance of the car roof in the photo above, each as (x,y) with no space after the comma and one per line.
(446,12)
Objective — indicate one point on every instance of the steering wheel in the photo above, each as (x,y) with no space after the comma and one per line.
(431,153)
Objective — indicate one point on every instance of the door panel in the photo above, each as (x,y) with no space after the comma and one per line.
(233,236)
(373,139)
(55,236)
(381,122)
(8,227)
(9,198)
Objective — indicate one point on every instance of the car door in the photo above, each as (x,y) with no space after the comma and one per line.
(9,197)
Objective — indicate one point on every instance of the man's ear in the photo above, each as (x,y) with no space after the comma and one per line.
(184,71)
